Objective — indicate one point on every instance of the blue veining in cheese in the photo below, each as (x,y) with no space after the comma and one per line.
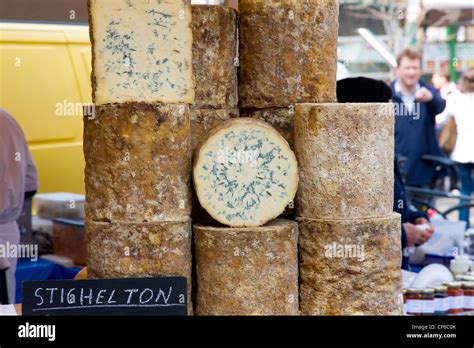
(142,51)
(245,173)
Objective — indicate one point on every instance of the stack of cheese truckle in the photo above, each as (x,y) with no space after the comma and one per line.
(287,56)
(244,175)
(215,69)
(165,88)
(138,147)
(287,77)
(350,252)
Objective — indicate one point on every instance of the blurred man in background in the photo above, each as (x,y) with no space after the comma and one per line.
(17,176)
(416,107)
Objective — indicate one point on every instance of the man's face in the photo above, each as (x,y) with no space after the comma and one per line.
(409,71)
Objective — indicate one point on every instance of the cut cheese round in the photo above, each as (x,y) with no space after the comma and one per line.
(245,173)
(202,121)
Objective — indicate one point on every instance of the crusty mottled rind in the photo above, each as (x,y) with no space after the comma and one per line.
(92,40)
(334,285)
(214,56)
(200,151)
(280,118)
(288,52)
(345,157)
(247,271)
(138,163)
(204,120)
(126,250)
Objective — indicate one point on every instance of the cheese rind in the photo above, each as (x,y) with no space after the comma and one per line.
(133,250)
(345,155)
(141,51)
(350,267)
(245,173)
(214,56)
(138,163)
(247,271)
(204,120)
(279,118)
(288,52)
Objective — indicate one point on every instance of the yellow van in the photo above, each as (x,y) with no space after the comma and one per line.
(44,82)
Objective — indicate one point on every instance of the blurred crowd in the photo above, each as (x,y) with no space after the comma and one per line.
(433,119)
(434,122)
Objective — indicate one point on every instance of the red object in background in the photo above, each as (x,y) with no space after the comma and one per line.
(434,215)
(444,63)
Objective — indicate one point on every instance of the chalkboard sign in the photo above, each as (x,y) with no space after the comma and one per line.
(143,297)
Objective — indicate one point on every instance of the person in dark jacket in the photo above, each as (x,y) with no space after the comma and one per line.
(364,90)
(416,106)
(412,219)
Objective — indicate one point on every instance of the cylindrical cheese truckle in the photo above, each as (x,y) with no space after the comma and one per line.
(138,163)
(345,156)
(350,267)
(247,271)
(121,250)
(279,118)
(215,56)
(245,173)
(288,52)
(204,120)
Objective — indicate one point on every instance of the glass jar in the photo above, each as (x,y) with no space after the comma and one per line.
(456,298)
(464,278)
(468,289)
(414,302)
(460,265)
(427,302)
(441,301)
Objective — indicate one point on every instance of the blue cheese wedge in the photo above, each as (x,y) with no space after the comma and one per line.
(245,173)
(142,51)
